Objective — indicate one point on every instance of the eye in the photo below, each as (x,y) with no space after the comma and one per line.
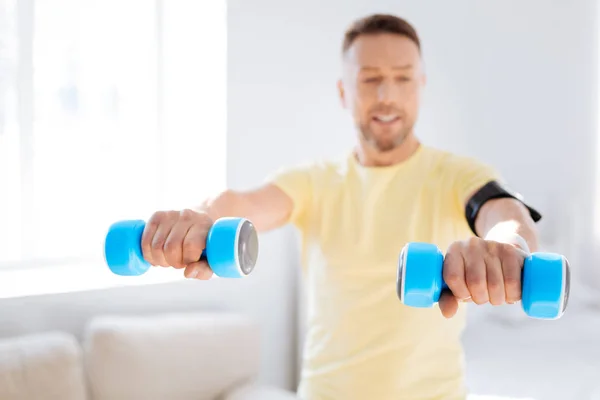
(403,79)
(372,79)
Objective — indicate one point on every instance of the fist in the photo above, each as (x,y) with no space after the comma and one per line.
(176,239)
(481,271)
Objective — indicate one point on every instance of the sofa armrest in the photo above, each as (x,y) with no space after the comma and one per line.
(44,365)
(253,391)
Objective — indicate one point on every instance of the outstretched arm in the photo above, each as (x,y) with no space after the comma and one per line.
(267,207)
(177,238)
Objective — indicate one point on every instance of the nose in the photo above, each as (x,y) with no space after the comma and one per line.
(385,92)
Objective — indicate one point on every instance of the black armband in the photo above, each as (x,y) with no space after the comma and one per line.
(493,190)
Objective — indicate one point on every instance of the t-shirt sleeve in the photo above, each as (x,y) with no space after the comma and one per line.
(297,183)
(469,175)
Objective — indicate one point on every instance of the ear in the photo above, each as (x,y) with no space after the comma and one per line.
(341,93)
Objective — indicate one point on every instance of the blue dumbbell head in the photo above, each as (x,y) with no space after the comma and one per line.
(122,248)
(545,284)
(545,280)
(231,248)
(419,281)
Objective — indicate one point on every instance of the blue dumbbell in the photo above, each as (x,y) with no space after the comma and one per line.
(231,248)
(545,280)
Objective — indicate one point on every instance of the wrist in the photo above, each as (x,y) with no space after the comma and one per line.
(206,208)
(509,238)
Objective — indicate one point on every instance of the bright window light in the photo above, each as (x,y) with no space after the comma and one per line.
(108,110)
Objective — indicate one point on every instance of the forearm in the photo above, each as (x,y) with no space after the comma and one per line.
(224,204)
(505,220)
(267,207)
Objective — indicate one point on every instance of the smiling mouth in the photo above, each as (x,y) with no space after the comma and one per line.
(386,118)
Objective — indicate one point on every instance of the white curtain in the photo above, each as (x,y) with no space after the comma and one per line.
(109,109)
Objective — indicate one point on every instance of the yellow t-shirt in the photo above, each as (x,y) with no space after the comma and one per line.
(362,343)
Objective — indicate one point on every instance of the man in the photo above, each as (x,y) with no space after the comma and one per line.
(356,214)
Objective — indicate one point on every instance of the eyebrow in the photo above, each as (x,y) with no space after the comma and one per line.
(401,67)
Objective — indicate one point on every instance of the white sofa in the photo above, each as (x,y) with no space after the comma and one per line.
(512,356)
(172,356)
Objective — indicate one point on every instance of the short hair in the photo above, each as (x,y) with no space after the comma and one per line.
(379,23)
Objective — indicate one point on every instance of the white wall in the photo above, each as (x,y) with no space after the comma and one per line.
(520,96)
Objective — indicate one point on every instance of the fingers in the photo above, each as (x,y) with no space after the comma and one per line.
(448,304)
(186,239)
(454,272)
(173,247)
(176,239)
(495,280)
(198,270)
(160,238)
(155,234)
(477,283)
(512,266)
(148,235)
(194,242)
(486,271)
(475,270)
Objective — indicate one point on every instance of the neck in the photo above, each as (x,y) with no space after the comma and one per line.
(369,156)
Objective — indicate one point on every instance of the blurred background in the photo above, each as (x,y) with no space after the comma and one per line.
(113,109)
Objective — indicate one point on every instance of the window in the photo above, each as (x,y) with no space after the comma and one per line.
(108,110)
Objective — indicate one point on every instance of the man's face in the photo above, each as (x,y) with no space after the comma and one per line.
(381,87)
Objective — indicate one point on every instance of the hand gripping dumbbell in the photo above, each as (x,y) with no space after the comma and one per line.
(231,248)
(545,280)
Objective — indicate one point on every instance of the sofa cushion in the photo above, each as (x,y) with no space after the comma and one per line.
(173,356)
(259,392)
(41,366)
